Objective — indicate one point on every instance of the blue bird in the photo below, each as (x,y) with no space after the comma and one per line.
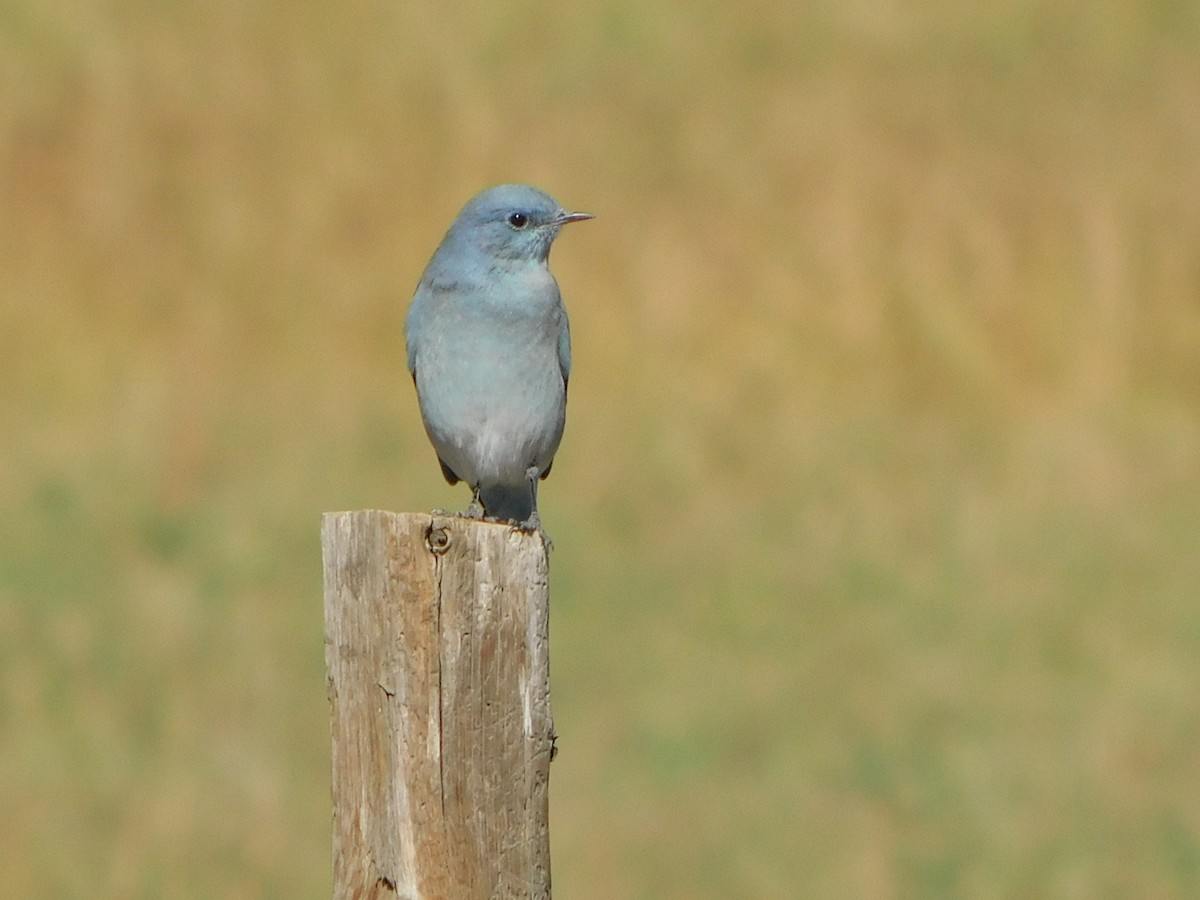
(489,349)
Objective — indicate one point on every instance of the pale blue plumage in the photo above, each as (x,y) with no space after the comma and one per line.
(489,349)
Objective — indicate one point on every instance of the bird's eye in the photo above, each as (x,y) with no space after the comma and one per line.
(518,220)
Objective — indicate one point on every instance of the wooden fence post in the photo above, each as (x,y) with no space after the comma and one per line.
(438,674)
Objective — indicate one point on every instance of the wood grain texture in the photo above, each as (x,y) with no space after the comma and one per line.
(436,649)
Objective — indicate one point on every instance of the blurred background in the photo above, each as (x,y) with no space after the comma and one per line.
(877,519)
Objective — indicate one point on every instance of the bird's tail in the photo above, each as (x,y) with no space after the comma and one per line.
(513,502)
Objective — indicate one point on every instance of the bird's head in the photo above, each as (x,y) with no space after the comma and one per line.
(511,221)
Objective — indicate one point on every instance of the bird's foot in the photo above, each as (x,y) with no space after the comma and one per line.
(474,511)
(533,525)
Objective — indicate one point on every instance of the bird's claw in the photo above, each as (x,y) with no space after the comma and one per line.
(474,511)
(533,525)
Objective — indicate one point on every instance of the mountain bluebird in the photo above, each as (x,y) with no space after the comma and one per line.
(489,350)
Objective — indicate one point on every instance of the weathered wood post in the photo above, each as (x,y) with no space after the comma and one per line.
(439,681)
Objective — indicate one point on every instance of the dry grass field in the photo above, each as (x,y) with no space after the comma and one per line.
(877,520)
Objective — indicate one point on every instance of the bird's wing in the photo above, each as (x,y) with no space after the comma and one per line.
(410,346)
(564,350)
(448,472)
(416,324)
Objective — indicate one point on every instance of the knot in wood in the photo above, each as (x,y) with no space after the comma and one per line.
(437,540)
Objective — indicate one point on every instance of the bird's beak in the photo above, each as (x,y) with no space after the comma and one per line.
(564,217)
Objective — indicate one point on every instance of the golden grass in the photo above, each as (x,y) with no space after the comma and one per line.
(878,509)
